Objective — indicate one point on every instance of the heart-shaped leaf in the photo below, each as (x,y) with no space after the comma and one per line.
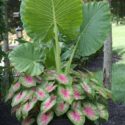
(76,117)
(78,92)
(41,94)
(28,81)
(27,107)
(66,93)
(18,98)
(48,104)
(61,108)
(49,87)
(25,58)
(90,111)
(103,112)
(44,118)
(95,27)
(86,88)
(41,17)
(62,79)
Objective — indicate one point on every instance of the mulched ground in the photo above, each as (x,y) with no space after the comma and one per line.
(117,111)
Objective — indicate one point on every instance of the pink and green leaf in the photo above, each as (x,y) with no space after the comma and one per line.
(78,92)
(61,108)
(41,94)
(66,93)
(49,87)
(51,75)
(63,79)
(77,105)
(29,95)
(44,118)
(12,90)
(48,104)
(16,86)
(28,121)
(103,112)
(76,117)
(86,88)
(19,113)
(90,111)
(18,98)
(27,107)
(28,81)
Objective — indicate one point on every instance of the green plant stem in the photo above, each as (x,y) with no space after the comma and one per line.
(67,70)
(57,46)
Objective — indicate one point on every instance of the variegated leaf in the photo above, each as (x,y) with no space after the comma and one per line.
(78,92)
(63,79)
(90,111)
(41,94)
(51,75)
(28,81)
(76,117)
(86,88)
(77,105)
(48,104)
(27,107)
(28,121)
(19,113)
(29,95)
(103,112)
(12,90)
(61,108)
(44,118)
(66,93)
(16,86)
(18,98)
(49,87)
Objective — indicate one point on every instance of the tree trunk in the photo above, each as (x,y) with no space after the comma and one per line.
(107,64)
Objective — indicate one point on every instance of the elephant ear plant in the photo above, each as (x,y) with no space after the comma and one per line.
(47,87)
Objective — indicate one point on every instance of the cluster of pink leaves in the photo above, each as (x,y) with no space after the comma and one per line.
(55,92)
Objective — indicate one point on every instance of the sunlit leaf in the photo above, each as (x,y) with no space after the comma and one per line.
(39,18)
(26,58)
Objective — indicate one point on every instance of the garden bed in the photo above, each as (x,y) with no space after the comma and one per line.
(117,116)
(117,111)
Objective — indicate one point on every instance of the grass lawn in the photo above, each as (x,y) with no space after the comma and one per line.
(118,69)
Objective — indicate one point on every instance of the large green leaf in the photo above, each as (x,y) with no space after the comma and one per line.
(40,16)
(25,58)
(95,27)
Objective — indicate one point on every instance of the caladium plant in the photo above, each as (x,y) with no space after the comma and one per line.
(49,96)
(46,86)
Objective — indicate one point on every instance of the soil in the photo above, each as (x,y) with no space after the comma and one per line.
(117,111)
